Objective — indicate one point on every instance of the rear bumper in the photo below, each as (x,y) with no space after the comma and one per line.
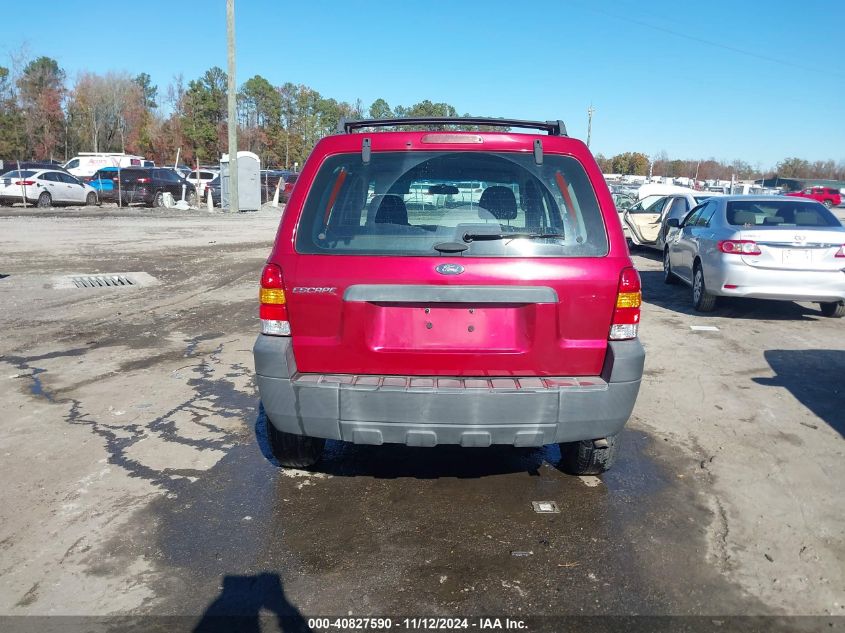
(419,411)
(784,285)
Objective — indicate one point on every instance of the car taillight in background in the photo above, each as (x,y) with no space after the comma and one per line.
(273,310)
(25,183)
(739,247)
(143,181)
(841,251)
(626,315)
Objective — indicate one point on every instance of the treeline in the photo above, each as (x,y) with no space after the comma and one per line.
(43,115)
(638,164)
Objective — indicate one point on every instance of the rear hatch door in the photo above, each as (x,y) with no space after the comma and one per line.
(515,280)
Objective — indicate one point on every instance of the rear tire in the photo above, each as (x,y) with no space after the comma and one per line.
(45,200)
(828,203)
(91,199)
(833,309)
(294,451)
(668,275)
(702,300)
(191,199)
(158,201)
(585,458)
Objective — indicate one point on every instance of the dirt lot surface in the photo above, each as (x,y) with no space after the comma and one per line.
(134,483)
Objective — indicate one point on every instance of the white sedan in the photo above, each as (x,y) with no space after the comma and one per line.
(201,178)
(44,188)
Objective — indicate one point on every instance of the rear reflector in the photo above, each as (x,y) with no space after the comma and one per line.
(451,138)
(273,310)
(626,315)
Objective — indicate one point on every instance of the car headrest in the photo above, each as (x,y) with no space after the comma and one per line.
(806,218)
(499,201)
(744,217)
(390,209)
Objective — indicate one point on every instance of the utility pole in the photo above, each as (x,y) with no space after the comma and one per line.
(232,102)
(590,111)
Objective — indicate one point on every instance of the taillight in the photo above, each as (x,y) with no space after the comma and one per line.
(25,183)
(143,181)
(841,251)
(739,247)
(273,310)
(626,315)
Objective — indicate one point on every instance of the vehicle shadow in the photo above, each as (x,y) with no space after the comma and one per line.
(248,604)
(814,377)
(678,298)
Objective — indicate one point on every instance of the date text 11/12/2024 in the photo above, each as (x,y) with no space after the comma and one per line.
(415,624)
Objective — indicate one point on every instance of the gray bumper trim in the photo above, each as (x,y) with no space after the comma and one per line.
(424,411)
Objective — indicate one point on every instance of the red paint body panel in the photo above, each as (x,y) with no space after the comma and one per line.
(820,194)
(500,339)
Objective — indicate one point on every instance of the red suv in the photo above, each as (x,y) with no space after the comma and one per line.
(449,287)
(827,196)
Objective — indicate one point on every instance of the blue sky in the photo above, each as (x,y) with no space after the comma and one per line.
(756,81)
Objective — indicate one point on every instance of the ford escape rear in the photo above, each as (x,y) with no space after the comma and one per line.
(444,287)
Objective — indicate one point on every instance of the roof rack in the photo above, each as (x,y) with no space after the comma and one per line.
(554,128)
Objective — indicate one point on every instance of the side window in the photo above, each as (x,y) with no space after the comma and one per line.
(654,207)
(67,178)
(706,213)
(73,164)
(692,217)
(679,208)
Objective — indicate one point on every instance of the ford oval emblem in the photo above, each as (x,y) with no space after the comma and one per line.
(449,269)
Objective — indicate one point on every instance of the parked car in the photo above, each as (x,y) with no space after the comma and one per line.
(646,220)
(200,178)
(33,164)
(183,170)
(764,247)
(104,182)
(510,320)
(270,178)
(828,196)
(86,164)
(214,187)
(140,184)
(44,188)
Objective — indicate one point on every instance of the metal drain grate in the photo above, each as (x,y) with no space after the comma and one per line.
(102,281)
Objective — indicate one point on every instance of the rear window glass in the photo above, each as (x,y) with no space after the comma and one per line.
(24,173)
(779,213)
(406,203)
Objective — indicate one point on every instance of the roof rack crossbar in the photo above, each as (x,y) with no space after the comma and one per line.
(554,128)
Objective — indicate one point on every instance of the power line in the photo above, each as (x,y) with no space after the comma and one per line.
(707,42)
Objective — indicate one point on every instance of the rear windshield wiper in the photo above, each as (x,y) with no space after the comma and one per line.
(470,237)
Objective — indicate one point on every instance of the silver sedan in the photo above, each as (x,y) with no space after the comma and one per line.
(763,247)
